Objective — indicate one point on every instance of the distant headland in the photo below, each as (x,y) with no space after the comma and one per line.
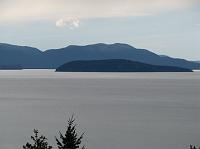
(115,65)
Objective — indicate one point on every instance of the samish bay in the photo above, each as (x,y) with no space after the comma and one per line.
(115,110)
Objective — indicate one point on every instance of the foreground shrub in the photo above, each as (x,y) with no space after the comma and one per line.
(193,147)
(39,142)
(70,140)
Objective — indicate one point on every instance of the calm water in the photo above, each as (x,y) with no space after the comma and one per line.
(116,110)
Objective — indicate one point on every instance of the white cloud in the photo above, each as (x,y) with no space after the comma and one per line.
(71,23)
(31,10)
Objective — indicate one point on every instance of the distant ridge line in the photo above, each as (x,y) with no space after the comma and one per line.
(32,58)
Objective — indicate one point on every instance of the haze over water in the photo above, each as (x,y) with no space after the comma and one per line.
(115,110)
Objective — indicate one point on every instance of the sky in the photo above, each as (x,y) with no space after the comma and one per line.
(167,27)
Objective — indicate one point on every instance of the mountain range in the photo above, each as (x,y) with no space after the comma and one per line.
(32,58)
(196,61)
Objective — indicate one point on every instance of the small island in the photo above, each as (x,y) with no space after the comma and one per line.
(115,65)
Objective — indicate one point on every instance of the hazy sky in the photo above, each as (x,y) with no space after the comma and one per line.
(170,27)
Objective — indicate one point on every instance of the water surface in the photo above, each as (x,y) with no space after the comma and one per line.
(115,110)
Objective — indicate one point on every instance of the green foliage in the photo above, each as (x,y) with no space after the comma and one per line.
(39,142)
(70,140)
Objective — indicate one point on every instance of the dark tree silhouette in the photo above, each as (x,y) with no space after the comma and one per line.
(70,140)
(39,142)
(193,147)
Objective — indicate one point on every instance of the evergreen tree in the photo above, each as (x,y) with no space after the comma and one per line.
(70,140)
(39,142)
(193,147)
